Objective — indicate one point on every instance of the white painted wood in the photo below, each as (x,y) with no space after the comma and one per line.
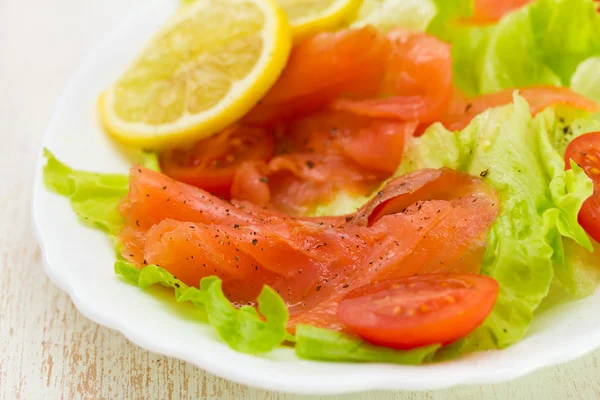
(47,349)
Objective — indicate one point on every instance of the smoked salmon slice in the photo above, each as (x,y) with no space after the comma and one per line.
(321,68)
(417,83)
(321,154)
(427,221)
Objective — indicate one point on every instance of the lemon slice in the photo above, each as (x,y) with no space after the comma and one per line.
(209,64)
(313,16)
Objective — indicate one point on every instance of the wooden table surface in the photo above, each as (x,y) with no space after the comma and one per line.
(47,349)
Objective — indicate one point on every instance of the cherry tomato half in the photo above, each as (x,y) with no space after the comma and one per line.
(585,151)
(211,164)
(418,310)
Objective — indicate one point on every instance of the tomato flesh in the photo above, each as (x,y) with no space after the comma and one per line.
(211,164)
(585,151)
(419,310)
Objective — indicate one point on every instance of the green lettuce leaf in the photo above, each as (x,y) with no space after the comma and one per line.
(542,43)
(388,14)
(579,274)
(327,345)
(569,124)
(540,202)
(241,328)
(567,32)
(434,16)
(586,79)
(94,196)
(343,203)
(445,22)
(149,160)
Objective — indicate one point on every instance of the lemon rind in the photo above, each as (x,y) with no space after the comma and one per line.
(334,17)
(242,96)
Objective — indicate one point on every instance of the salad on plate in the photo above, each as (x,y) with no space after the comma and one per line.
(373,181)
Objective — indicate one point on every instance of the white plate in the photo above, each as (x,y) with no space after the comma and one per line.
(79,260)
